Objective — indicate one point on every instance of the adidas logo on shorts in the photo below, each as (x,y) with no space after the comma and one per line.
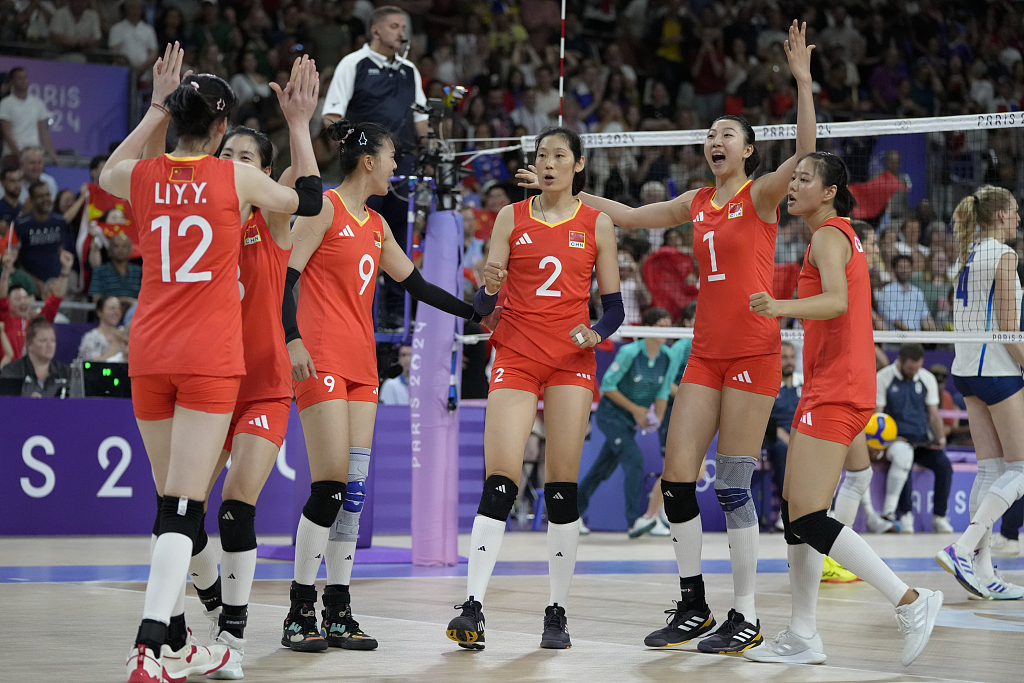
(525,239)
(583,375)
(743,378)
(260,421)
(347,232)
(806,419)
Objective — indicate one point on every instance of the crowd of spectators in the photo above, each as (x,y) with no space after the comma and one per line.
(633,65)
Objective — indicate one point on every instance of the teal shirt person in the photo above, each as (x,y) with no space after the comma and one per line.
(639,377)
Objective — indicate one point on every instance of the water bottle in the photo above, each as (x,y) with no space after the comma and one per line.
(77,389)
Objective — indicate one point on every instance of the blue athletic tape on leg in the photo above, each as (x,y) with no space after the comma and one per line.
(561,498)
(787,526)
(237,523)
(680,500)
(346,525)
(818,530)
(498,497)
(325,499)
(732,486)
(199,544)
(186,523)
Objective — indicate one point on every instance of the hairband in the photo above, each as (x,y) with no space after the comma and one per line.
(195,84)
(347,133)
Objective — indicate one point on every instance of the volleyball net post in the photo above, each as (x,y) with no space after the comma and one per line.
(435,429)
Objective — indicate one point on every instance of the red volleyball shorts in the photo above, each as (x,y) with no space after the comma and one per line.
(267,418)
(756,374)
(328,386)
(154,396)
(513,370)
(839,422)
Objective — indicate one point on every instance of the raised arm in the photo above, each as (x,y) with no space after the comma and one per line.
(768,190)
(117,172)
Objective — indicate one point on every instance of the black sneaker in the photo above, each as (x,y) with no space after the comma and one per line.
(556,635)
(300,631)
(682,626)
(734,636)
(340,628)
(467,629)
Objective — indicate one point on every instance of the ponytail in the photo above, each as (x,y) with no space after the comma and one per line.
(975,215)
(198,104)
(356,140)
(832,171)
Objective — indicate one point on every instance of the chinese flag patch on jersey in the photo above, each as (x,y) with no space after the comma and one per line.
(736,210)
(182,174)
(252,235)
(376,238)
(577,239)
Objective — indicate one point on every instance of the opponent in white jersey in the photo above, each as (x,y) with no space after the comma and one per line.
(988,297)
(974,308)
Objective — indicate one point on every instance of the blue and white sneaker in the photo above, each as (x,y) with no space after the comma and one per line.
(1000,589)
(962,569)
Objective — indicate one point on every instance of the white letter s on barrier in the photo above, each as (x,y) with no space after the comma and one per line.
(50,479)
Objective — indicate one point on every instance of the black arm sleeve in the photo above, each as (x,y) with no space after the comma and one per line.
(311,198)
(288,308)
(432,295)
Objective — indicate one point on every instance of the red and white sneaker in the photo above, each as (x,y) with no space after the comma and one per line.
(192,659)
(143,667)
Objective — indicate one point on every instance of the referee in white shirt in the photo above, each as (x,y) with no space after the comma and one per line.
(376,84)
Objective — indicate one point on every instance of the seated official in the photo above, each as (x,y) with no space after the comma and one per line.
(41,375)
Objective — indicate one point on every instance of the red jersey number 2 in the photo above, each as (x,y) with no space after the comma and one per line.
(545,289)
(185,272)
(709,237)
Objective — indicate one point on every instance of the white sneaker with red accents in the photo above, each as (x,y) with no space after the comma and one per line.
(143,667)
(193,659)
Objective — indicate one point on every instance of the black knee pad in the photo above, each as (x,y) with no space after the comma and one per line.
(156,520)
(237,522)
(680,500)
(498,497)
(817,530)
(199,545)
(560,500)
(325,499)
(181,516)
(787,526)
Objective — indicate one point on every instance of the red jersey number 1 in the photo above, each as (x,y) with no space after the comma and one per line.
(709,237)
(185,273)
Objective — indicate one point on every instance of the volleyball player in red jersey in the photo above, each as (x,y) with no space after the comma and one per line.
(187,334)
(334,368)
(838,398)
(733,374)
(548,247)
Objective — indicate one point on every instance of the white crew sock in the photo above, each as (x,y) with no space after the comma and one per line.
(856,483)
(989,471)
(743,545)
(687,538)
(805,565)
(853,552)
(310,541)
(203,567)
(992,508)
(167,571)
(238,570)
(340,557)
(563,540)
(485,543)
(901,461)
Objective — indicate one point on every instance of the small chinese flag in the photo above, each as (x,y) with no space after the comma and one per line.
(182,174)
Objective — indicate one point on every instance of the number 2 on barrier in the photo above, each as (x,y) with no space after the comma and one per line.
(110,488)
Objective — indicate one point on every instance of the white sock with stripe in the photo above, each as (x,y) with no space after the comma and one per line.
(484,545)
(563,540)
(687,541)
(310,542)
(238,570)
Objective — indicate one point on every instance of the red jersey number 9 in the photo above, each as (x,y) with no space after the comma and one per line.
(185,273)
(366,271)
(544,289)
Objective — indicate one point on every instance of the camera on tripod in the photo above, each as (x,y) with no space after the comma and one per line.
(437,155)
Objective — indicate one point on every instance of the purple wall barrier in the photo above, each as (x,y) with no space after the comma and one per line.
(89,102)
(435,430)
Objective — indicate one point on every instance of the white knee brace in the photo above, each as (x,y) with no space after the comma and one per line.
(1010,484)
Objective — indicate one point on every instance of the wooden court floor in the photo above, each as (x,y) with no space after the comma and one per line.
(81,630)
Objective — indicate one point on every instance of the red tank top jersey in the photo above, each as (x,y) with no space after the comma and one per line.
(189,320)
(735,250)
(548,287)
(839,354)
(262,266)
(335,312)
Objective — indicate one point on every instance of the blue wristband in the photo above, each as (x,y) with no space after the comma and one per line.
(614,314)
(484,303)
